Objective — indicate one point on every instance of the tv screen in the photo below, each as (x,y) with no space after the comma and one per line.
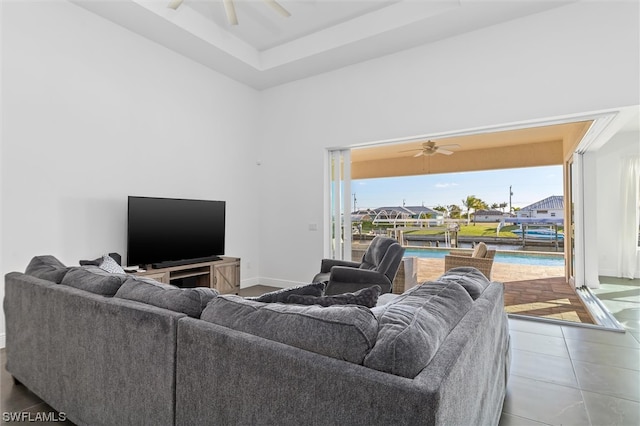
(170,229)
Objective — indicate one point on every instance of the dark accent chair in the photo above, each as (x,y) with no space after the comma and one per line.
(379,266)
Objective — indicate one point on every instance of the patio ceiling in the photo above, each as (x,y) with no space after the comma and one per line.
(529,147)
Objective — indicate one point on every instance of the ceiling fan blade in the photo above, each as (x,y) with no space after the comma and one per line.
(174,4)
(444,151)
(231,12)
(420,154)
(409,150)
(278,8)
(455,145)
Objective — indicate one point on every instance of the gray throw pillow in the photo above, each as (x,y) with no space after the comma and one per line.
(281,296)
(94,280)
(47,268)
(106,263)
(342,332)
(468,277)
(365,297)
(110,265)
(190,301)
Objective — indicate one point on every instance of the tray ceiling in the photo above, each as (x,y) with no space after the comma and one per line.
(266,49)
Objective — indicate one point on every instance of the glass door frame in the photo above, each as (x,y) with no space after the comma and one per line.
(574,221)
(338,220)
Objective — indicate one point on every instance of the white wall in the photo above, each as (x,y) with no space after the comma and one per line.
(92,113)
(578,58)
(608,160)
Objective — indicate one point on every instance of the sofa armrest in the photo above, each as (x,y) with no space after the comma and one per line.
(357,276)
(348,280)
(327,264)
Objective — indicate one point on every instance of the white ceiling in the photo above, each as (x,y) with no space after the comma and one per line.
(267,49)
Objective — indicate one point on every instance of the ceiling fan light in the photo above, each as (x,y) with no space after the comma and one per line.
(174,4)
(231,12)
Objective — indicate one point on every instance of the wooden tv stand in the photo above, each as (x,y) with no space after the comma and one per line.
(223,275)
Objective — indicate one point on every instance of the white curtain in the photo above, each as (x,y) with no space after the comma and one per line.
(630,217)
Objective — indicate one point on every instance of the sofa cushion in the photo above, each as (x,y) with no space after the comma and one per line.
(468,277)
(190,301)
(480,250)
(342,332)
(281,296)
(94,280)
(413,326)
(47,268)
(365,297)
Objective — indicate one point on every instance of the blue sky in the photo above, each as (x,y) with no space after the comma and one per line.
(528,185)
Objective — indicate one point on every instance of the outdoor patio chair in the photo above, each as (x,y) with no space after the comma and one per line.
(379,266)
(480,258)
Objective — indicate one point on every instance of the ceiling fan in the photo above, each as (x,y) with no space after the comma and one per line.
(231,10)
(430,148)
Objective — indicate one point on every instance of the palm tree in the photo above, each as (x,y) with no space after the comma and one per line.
(442,209)
(454,211)
(473,203)
(469,203)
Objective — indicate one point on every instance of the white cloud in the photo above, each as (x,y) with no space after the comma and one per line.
(445,184)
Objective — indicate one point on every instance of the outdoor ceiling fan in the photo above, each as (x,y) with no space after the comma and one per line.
(430,148)
(231,10)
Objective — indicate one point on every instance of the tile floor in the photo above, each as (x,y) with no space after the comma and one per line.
(622,298)
(569,375)
(560,374)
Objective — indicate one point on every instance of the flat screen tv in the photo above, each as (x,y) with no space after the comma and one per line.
(169,231)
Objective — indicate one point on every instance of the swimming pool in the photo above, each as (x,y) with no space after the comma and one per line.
(520,258)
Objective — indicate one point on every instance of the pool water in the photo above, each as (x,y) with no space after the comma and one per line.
(524,258)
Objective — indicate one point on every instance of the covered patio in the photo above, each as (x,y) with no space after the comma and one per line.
(532,290)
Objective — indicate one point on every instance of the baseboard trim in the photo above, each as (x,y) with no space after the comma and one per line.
(607,273)
(276,282)
(614,273)
(249,282)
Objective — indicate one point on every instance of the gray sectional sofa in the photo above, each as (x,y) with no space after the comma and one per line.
(145,353)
